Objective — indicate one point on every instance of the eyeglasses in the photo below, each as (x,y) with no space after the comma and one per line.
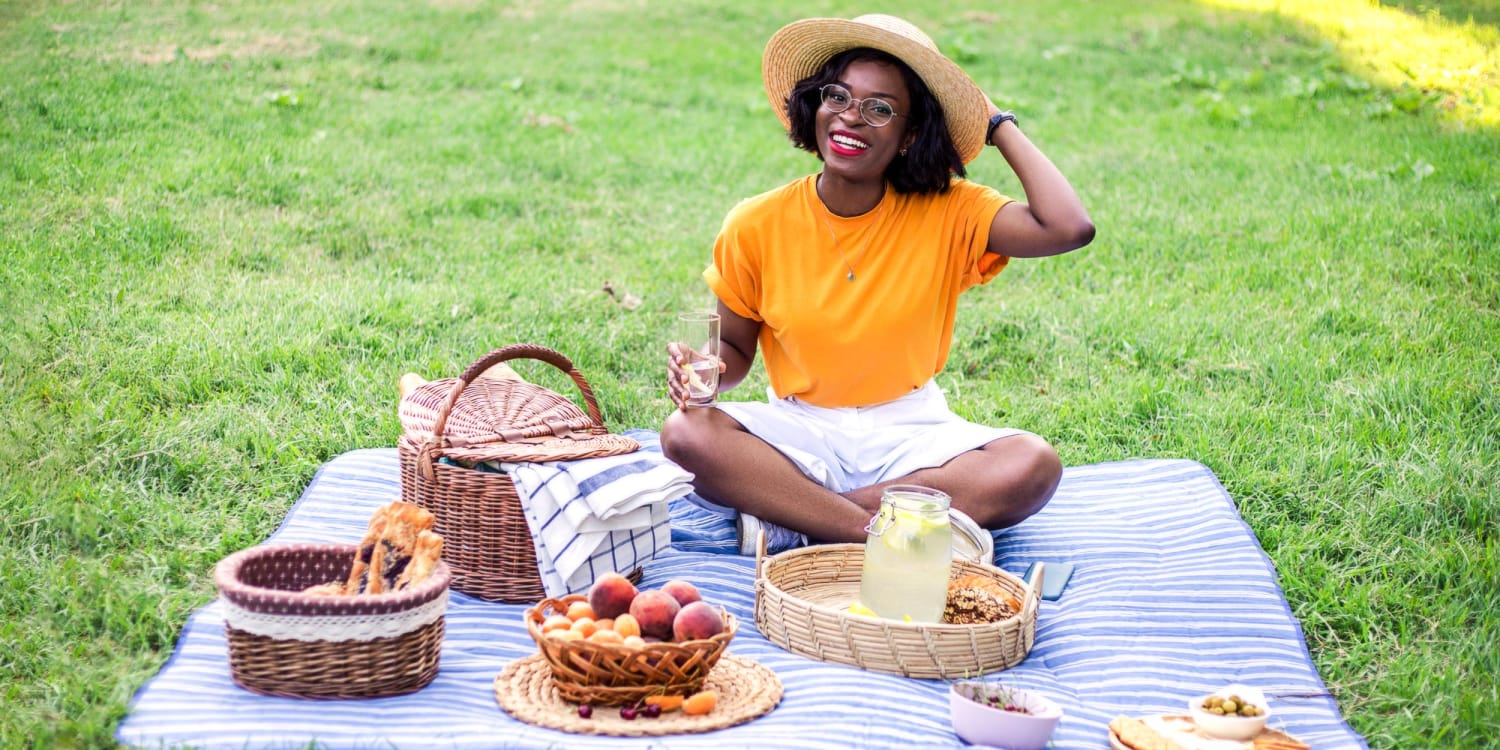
(876,112)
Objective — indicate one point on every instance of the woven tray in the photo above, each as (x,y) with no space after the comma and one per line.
(746,689)
(605,674)
(801,604)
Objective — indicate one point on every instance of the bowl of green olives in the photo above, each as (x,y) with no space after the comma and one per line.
(1235,712)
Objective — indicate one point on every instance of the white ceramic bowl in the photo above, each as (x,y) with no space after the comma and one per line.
(1231,727)
(980,724)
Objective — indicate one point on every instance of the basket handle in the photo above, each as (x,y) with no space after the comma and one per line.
(519,351)
(1033,591)
(760,553)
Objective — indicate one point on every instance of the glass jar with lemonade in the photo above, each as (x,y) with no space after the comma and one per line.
(908,554)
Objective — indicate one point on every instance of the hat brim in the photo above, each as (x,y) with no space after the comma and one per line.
(800,48)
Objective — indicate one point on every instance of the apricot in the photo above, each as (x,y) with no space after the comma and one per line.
(634,641)
(607,636)
(697,621)
(584,626)
(668,703)
(556,622)
(700,703)
(685,593)
(611,595)
(627,625)
(655,611)
(579,610)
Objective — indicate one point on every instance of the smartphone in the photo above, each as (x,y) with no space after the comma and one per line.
(1055,577)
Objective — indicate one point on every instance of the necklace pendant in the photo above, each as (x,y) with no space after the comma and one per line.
(851,276)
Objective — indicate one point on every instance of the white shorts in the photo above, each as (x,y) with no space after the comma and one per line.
(847,448)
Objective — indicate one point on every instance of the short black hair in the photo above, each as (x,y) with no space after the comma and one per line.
(930,162)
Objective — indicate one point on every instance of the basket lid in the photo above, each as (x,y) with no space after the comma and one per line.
(496,419)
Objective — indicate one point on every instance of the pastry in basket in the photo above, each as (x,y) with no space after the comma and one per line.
(399,549)
(975,598)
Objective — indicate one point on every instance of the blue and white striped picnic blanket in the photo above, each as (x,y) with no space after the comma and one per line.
(1138,631)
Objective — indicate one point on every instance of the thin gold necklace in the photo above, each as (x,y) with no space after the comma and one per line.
(874,226)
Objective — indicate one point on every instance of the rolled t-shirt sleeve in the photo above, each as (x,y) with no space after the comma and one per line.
(983,204)
(734,276)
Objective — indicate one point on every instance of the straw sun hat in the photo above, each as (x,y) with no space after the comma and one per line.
(800,48)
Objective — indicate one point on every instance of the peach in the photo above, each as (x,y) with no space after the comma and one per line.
(685,593)
(697,621)
(611,595)
(655,611)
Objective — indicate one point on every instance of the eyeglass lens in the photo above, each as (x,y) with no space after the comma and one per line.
(876,112)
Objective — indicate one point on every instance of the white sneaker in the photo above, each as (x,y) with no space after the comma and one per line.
(778,538)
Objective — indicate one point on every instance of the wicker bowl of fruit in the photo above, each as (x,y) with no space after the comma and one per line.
(618,645)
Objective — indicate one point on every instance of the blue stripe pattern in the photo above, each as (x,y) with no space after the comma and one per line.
(1139,630)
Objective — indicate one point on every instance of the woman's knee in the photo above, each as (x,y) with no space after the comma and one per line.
(1039,466)
(684,437)
(1027,470)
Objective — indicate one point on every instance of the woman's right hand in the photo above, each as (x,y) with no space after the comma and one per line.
(677,374)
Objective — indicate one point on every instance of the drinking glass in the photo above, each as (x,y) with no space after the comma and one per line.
(698,338)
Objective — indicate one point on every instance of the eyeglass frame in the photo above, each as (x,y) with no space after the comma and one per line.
(853,101)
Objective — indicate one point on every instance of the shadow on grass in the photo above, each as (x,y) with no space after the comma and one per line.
(1440,56)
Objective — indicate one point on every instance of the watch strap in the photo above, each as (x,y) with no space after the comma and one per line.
(989,135)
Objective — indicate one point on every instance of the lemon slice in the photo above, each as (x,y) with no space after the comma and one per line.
(910,529)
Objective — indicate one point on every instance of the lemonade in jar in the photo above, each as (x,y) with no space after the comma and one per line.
(908,554)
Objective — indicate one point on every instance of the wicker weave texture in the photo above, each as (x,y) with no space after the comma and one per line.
(526,690)
(801,604)
(269,580)
(612,675)
(486,540)
(335,669)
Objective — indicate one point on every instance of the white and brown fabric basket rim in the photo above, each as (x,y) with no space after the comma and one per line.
(281,610)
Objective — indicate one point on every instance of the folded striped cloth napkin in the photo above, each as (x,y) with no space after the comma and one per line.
(593,515)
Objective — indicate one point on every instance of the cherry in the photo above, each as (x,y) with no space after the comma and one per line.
(585,711)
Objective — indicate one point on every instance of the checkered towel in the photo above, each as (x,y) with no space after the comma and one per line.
(595,515)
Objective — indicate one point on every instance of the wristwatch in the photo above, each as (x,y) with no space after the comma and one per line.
(995,121)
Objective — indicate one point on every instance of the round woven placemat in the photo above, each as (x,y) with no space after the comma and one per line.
(746,690)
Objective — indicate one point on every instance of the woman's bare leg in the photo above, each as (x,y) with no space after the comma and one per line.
(998,485)
(735,468)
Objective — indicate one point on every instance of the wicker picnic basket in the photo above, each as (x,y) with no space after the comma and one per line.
(288,643)
(605,674)
(469,419)
(802,598)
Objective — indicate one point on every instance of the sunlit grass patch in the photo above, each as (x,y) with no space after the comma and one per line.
(1426,61)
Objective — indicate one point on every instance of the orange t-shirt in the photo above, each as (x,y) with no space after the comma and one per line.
(834,342)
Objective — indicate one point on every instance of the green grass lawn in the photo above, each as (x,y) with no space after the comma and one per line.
(227,229)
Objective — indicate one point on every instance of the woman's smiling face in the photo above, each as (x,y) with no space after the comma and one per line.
(851,148)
